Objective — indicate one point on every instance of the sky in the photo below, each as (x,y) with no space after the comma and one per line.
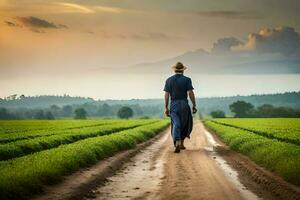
(79,47)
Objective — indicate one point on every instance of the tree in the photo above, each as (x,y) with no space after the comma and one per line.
(80,113)
(55,109)
(12,97)
(137,109)
(265,110)
(67,110)
(106,109)
(125,112)
(241,108)
(4,114)
(39,114)
(49,115)
(286,112)
(217,114)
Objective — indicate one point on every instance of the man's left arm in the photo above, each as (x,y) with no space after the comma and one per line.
(193,100)
(191,94)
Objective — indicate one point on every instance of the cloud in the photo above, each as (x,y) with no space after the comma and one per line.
(284,40)
(149,36)
(270,51)
(35,22)
(62,26)
(138,36)
(230,14)
(109,9)
(72,7)
(12,24)
(225,44)
(90,32)
(46,7)
(37,30)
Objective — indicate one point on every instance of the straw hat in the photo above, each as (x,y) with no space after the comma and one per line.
(179,67)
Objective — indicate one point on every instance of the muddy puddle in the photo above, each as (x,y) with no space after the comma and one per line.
(229,172)
(139,178)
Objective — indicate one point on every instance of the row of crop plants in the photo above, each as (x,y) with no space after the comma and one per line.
(26,146)
(22,176)
(278,156)
(286,130)
(61,128)
(22,126)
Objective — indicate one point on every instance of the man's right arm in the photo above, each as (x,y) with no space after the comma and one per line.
(167,90)
(167,96)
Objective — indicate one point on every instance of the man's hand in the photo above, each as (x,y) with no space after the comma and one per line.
(167,112)
(194,110)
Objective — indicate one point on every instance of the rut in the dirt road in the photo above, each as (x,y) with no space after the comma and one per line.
(158,173)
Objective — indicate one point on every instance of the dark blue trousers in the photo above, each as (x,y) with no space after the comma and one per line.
(181,119)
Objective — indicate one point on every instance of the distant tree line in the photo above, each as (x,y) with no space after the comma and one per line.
(242,109)
(75,111)
(26,114)
(32,107)
(288,99)
(80,113)
(218,114)
(41,101)
(149,107)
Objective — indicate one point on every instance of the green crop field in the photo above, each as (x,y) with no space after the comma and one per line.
(34,153)
(271,143)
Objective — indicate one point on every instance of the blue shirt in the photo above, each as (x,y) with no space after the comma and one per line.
(178,85)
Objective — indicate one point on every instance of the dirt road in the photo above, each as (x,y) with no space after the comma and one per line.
(158,173)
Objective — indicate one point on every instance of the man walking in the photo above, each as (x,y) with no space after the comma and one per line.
(179,87)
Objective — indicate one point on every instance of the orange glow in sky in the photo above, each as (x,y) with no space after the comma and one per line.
(85,43)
